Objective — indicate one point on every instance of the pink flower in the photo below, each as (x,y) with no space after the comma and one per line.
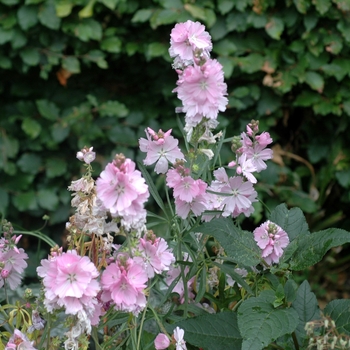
(271,239)
(161,148)
(70,281)
(246,167)
(86,155)
(185,38)
(258,155)
(202,90)
(13,265)
(19,341)
(122,190)
(187,189)
(123,283)
(161,342)
(179,339)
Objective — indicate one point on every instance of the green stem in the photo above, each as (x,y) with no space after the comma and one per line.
(265,206)
(295,341)
(95,338)
(141,326)
(160,324)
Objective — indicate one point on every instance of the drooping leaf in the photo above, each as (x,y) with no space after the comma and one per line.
(339,311)
(239,245)
(48,17)
(312,247)
(274,27)
(315,80)
(260,323)
(213,331)
(306,305)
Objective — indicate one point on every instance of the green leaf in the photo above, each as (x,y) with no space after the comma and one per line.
(112,44)
(71,64)
(292,221)
(27,16)
(47,109)
(25,201)
(322,6)
(55,167)
(111,4)
(307,98)
(251,63)
(88,29)
(47,16)
(47,199)
(213,331)
(31,127)
(18,39)
(290,291)
(63,8)
(227,66)
(5,35)
(30,56)
(142,15)
(315,81)
(268,103)
(306,305)
(275,28)
(225,6)
(29,163)
(312,247)
(339,312)
(302,5)
(239,245)
(195,11)
(236,21)
(343,177)
(113,109)
(260,323)
(5,62)
(59,132)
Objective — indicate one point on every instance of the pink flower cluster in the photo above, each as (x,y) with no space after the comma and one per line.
(200,86)
(123,191)
(161,148)
(271,239)
(189,194)
(70,282)
(12,259)
(19,341)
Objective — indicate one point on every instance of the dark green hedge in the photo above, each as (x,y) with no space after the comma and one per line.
(96,73)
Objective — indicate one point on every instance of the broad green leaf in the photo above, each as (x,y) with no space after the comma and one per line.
(112,44)
(227,66)
(268,103)
(19,39)
(312,247)
(196,11)
(236,21)
(113,109)
(310,21)
(239,245)
(213,331)
(260,323)
(31,127)
(27,16)
(9,146)
(29,163)
(322,6)
(5,35)
(251,63)
(314,80)
(48,109)
(339,312)
(306,305)
(25,201)
(5,62)
(290,290)
(88,10)
(111,4)
(225,6)
(71,64)
(343,177)
(55,167)
(307,98)
(30,56)
(47,199)
(63,8)
(274,27)
(302,5)
(47,16)
(292,221)
(142,15)
(59,132)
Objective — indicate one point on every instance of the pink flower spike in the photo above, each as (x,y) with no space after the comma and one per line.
(161,342)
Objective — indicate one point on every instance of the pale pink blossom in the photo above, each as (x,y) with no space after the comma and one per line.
(86,155)
(19,341)
(187,189)
(202,90)
(161,148)
(258,155)
(187,37)
(271,239)
(161,342)
(264,139)
(246,167)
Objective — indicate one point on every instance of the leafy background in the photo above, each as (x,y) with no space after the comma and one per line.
(97,73)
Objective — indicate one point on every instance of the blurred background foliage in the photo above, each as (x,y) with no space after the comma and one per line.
(77,73)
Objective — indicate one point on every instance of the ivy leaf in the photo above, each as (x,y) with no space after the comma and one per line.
(339,311)
(239,245)
(113,109)
(274,28)
(260,323)
(47,16)
(47,199)
(31,127)
(213,331)
(312,247)
(292,221)
(47,109)
(306,305)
